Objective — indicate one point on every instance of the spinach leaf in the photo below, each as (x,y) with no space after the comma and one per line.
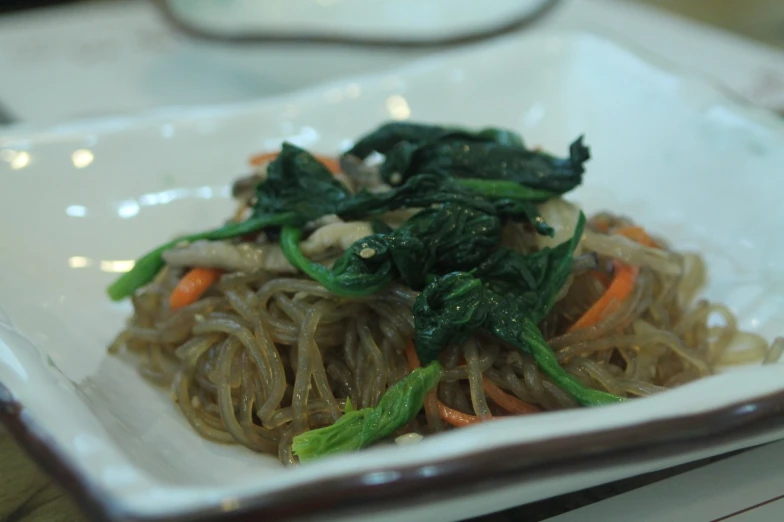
(532,279)
(499,292)
(379,227)
(364,269)
(357,429)
(506,199)
(449,310)
(462,158)
(389,135)
(489,154)
(420,191)
(523,211)
(506,296)
(531,340)
(461,237)
(434,241)
(297,182)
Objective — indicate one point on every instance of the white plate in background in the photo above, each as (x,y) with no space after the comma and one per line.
(79,201)
(91,59)
(401,21)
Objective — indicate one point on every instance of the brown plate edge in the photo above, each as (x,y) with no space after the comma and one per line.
(514,24)
(443,480)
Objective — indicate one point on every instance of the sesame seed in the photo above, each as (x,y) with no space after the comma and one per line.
(367,253)
(408,438)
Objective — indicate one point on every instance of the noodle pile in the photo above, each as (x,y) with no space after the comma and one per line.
(264,356)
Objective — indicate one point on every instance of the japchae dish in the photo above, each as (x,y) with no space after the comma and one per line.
(427,279)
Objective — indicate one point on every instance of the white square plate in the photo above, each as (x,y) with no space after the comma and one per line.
(79,201)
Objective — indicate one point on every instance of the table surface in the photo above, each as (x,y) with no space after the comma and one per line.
(28,495)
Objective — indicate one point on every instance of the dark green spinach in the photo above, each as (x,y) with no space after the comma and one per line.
(389,135)
(300,184)
(507,296)
(433,242)
(490,154)
(461,158)
(286,197)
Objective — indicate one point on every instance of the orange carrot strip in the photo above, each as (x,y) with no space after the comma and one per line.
(411,356)
(602,224)
(331,163)
(622,284)
(447,414)
(506,401)
(620,288)
(258,159)
(457,418)
(637,234)
(603,278)
(192,286)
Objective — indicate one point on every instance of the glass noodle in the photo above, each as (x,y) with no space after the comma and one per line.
(263,357)
(297,329)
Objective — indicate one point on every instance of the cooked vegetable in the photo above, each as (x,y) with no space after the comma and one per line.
(448,311)
(146,268)
(359,428)
(231,257)
(364,269)
(506,401)
(636,234)
(285,197)
(506,296)
(440,244)
(449,415)
(457,418)
(531,339)
(389,135)
(507,287)
(621,285)
(192,285)
(293,179)
(467,255)
(618,290)
(490,154)
(331,163)
(433,242)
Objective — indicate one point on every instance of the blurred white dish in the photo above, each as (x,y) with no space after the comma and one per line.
(400,22)
(80,201)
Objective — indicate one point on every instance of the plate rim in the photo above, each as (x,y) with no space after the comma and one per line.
(491,468)
(758,416)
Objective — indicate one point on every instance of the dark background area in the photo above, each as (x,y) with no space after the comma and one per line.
(14,5)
